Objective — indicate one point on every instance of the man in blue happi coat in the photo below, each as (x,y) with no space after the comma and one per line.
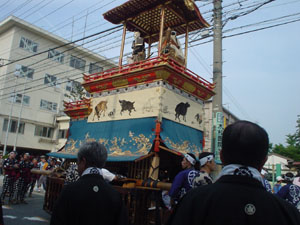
(290,192)
(183,181)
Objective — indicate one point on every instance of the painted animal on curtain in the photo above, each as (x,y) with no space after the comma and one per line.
(112,113)
(199,119)
(126,106)
(100,108)
(181,110)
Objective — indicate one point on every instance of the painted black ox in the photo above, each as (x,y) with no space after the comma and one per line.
(126,105)
(181,110)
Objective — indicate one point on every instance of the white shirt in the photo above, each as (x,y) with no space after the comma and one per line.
(107,176)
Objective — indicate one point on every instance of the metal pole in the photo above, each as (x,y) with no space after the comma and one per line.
(217,71)
(87,12)
(20,114)
(186,44)
(162,21)
(9,118)
(72,28)
(122,44)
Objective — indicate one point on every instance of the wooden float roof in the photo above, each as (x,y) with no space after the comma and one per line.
(144,16)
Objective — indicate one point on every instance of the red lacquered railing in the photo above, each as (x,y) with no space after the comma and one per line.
(146,64)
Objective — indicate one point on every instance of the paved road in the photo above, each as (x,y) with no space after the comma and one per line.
(30,214)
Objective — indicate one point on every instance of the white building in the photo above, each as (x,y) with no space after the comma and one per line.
(47,78)
(229,118)
(275,160)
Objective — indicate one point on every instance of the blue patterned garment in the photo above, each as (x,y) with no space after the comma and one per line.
(291,193)
(182,183)
(267,185)
(201,178)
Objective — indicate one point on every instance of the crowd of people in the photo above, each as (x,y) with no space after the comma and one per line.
(18,177)
(240,194)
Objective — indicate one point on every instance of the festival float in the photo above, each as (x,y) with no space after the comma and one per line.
(147,113)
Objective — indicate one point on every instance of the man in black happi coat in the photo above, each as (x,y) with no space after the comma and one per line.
(10,165)
(90,200)
(238,196)
(25,178)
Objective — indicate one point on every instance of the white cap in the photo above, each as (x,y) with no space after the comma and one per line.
(279,178)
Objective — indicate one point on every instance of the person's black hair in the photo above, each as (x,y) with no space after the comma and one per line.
(288,177)
(191,154)
(245,143)
(94,153)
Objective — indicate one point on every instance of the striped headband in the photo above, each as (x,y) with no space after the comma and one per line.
(190,159)
(206,159)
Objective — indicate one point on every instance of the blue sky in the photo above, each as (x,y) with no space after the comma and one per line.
(261,69)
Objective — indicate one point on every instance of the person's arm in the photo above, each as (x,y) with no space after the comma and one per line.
(107,175)
(175,188)
(283,192)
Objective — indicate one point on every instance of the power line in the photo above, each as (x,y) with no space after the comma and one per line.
(54,11)
(46,58)
(18,8)
(60,27)
(60,46)
(243,33)
(226,90)
(38,9)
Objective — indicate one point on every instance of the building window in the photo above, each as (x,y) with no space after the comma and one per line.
(50,80)
(77,63)
(24,71)
(62,134)
(51,106)
(43,131)
(56,55)
(28,45)
(94,68)
(13,126)
(18,99)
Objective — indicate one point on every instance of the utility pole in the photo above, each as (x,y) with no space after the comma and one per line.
(20,114)
(217,79)
(13,96)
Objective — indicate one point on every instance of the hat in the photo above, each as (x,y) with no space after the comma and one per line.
(27,154)
(279,178)
(43,157)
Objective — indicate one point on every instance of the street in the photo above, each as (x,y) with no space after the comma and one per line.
(27,214)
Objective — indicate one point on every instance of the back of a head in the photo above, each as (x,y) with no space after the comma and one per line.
(289,177)
(245,143)
(94,153)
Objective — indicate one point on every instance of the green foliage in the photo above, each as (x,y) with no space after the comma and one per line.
(77,93)
(292,150)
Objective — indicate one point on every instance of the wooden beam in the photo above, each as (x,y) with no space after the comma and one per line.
(137,27)
(176,13)
(162,21)
(122,44)
(149,47)
(186,45)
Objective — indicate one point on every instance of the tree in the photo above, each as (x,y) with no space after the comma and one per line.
(77,92)
(292,150)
